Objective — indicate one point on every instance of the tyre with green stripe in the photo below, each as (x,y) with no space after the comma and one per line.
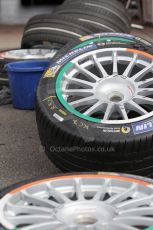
(137,42)
(52,31)
(94,109)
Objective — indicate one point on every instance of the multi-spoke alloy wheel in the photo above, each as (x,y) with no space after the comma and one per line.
(8,56)
(28,54)
(110,84)
(95,106)
(79,202)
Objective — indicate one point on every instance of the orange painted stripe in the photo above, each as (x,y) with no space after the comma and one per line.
(81,176)
(140,52)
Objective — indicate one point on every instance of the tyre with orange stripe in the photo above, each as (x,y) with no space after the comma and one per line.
(95,105)
(78,201)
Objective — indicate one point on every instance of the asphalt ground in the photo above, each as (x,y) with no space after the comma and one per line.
(21,155)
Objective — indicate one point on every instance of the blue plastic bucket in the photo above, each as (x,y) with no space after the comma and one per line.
(23,78)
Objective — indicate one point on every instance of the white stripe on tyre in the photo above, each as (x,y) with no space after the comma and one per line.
(106,8)
(54,29)
(96,23)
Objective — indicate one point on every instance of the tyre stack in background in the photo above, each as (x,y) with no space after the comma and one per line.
(74,19)
(69,21)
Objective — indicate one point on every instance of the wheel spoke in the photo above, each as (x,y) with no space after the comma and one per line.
(102,191)
(135,203)
(29,219)
(143,100)
(109,111)
(100,68)
(122,196)
(142,73)
(78,190)
(45,226)
(77,92)
(129,69)
(135,220)
(86,72)
(120,226)
(123,112)
(146,211)
(84,101)
(115,64)
(136,107)
(79,82)
(145,91)
(95,108)
(27,209)
(39,201)
(145,83)
(61,198)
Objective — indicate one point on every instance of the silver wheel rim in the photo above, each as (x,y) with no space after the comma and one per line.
(113,85)
(82,202)
(29,54)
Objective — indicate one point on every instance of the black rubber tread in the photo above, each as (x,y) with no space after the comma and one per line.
(69,163)
(131,155)
(94,14)
(56,19)
(66,48)
(92,161)
(115,3)
(44,34)
(26,2)
(108,10)
(112,165)
(4,79)
(68,166)
(45,40)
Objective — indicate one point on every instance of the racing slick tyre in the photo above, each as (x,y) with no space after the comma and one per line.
(94,18)
(94,106)
(64,202)
(115,3)
(47,18)
(7,56)
(52,30)
(120,17)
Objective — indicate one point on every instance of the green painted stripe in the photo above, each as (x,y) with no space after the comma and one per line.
(61,99)
(150,228)
(101,39)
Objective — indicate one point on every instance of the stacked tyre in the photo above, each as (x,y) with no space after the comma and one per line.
(52,31)
(94,105)
(69,21)
(74,19)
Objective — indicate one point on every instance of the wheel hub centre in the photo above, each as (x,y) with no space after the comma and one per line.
(114,89)
(86,213)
